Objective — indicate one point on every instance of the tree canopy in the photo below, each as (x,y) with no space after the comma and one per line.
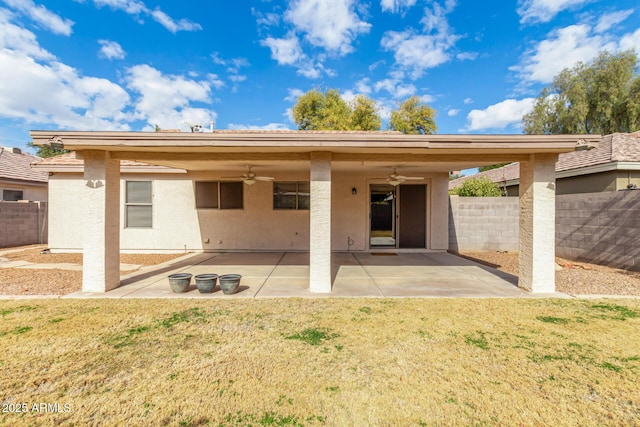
(601,97)
(477,187)
(316,110)
(413,116)
(328,111)
(45,151)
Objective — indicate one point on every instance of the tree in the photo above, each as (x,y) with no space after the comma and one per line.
(489,167)
(46,151)
(328,111)
(414,117)
(364,114)
(478,187)
(602,97)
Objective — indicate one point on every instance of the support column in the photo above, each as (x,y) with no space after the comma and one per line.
(537,223)
(320,223)
(101,253)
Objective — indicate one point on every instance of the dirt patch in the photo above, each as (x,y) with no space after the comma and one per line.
(31,281)
(573,278)
(38,255)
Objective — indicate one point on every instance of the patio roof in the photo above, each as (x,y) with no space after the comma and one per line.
(196,151)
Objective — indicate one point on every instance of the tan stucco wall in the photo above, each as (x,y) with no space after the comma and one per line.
(34,193)
(178,225)
(627,177)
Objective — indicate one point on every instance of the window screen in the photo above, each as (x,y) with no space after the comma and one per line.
(138,204)
(219,195)
(12,195)
(206,194)
(291,195)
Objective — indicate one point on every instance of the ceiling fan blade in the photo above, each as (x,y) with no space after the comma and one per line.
(263,178)
(233,177)
(412,178)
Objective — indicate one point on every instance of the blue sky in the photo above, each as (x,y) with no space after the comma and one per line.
(130,64)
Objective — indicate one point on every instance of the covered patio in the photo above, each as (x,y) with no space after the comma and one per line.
(286,274)
(298,251)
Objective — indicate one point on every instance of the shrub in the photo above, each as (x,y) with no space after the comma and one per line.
(478,187)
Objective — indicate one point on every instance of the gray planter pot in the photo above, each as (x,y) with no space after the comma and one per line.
(229,283)
(179,282)
(206,283)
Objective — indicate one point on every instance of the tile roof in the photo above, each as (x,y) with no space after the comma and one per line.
(617,147)
(17,166)
(70,159)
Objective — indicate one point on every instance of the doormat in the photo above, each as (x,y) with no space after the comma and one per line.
(384,253)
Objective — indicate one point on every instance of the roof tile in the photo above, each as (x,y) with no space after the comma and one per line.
(18,166)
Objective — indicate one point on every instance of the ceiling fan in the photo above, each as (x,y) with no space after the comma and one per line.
(250,177)
(395,178)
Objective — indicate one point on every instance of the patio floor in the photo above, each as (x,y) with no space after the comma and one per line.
(286,274)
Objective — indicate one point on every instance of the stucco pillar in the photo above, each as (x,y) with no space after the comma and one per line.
(101,247)
(537,223)
(320,223)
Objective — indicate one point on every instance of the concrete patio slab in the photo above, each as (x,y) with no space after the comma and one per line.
(280,274)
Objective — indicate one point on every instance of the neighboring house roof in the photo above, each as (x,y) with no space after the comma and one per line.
(69,162)
(614,148)
(16,166)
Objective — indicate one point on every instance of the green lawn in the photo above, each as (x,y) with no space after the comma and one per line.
(335,362)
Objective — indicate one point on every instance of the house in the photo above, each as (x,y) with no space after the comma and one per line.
(17,180)
(613,166)
(313,191)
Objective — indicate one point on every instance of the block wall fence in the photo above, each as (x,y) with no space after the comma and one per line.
(22,223)
(601,228)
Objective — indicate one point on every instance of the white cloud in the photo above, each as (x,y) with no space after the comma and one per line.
(609,20)
(418,51)
(631,41)
(467,56)
(111,50)
(453,112)
(395,87)
(37,88)
(172,25)
(166,99)
(396,5)
(286,51)
(137,8)
(132,7)
(294,94)
(265,20)
(533,11)
(468,101)
(500,115)
(329,24)
(19,39)
(43,16)
(564,48)
(363,86)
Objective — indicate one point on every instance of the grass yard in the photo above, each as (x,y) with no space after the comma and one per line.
(335,362)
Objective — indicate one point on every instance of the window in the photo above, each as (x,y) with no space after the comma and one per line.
(219,195)
(12,195)
(291,195)
(138,204)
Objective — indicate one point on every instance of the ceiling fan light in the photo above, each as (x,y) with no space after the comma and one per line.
(394,182)
(249,181)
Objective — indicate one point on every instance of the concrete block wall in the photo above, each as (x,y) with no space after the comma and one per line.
(602,228)
(22,223)
(483,223)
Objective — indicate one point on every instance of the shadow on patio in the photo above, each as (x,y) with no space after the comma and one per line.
(286,274)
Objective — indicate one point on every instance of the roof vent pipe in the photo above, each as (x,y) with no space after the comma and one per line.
(211,126)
